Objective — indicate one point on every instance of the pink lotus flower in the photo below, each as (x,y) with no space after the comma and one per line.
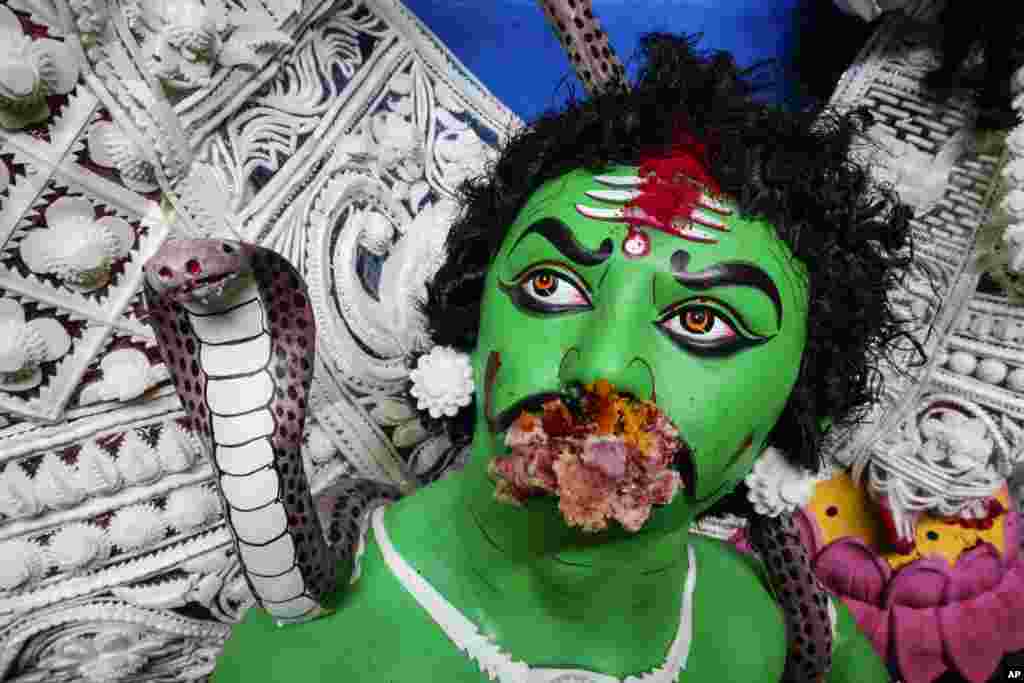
(928,617)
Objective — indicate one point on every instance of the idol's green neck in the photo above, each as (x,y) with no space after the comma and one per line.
(537,588)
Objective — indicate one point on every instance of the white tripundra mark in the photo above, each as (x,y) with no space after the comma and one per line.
(619,196)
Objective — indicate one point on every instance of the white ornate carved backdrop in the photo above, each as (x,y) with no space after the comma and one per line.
(331,132)
(334,133)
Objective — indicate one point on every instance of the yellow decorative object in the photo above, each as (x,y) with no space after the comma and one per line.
(841,509)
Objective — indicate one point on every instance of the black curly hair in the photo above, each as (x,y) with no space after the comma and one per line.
(794,170)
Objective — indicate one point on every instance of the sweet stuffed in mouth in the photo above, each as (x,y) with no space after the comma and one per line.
(604,455)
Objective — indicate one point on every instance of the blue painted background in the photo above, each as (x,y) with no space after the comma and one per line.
(508,45)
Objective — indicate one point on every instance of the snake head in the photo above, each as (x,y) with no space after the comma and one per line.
(201,270)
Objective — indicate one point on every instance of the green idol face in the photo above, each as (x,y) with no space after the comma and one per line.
(710,326)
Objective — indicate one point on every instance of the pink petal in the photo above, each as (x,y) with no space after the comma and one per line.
(873,623)
(850,568)
(1010,593)
(917,644)
(972,636)
(921,583)
(977,571)
(1011,530)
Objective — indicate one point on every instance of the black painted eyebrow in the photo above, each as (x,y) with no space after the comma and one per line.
(562,238)
(727,274)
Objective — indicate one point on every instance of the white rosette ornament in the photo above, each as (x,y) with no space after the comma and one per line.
(77,247)
(110,147)
(442,382)
(30,70)
(776,486)
(24,346)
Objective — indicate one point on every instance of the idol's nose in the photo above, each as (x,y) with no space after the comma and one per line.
(603,358)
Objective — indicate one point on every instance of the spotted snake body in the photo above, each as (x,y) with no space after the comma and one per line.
(237,332)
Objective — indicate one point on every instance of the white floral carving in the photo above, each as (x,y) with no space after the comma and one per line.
(190,507)
(190,38)
(442,381)
(776,486)
(17,493)
(55,484)
(77,247)
(20,561)
(136,526)
(77,546)
(127,374)
(319,446)
(114,654)
(177,448)
(460,152)
(24,346)
(377,233)
(90,15)
(111,147)
(136,461)
(921,176)
(97,471)
(939,461)
(29,71)
(963,441)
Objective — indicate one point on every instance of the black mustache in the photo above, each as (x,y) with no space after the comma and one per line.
(682,458)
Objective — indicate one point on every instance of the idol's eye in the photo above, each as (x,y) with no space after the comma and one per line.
(545,289)
(701,327)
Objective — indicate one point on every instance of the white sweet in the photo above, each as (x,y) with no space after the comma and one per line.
(777,486)
(442,382)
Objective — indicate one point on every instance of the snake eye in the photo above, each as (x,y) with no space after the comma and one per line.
(193,267)
(228,249)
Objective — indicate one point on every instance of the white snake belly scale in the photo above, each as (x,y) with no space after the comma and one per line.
(237,332)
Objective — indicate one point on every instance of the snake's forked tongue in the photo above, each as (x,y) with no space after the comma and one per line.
(604,456)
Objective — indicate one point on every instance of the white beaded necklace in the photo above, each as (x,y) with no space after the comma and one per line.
(499,665)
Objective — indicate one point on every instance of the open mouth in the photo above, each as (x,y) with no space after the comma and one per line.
(605,456)
(206,287)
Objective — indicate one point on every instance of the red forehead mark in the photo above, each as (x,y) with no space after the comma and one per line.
(637,244)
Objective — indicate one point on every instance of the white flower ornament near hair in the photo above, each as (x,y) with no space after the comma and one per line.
(776,486)
(442,382)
